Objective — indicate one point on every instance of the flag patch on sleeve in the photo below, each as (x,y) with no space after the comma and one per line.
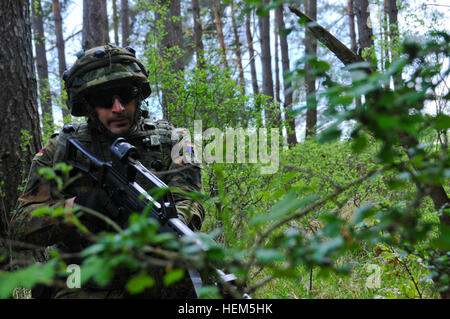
(190,147)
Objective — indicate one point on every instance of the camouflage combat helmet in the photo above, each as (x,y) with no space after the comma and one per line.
(100,67)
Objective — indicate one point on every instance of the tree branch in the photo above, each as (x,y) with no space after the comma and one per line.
(344,54)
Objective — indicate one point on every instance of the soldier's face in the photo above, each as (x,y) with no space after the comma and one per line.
(119,118)
(116,107)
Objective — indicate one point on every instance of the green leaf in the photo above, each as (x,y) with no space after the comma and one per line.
(359,144)
(139,283)
(209,292)
(363,212)
(330,134)
(441,122)
(90,267)
(93,250)
(285,32)
(161,238)
(357,66)
(173,276)
(47,172)
(26,278)
(215,253)
(191,249)
(443,242)
(330,245)
(283,207)
(269,255)
(386,121)
(41,211)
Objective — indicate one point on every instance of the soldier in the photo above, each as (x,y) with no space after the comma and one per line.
(107,85)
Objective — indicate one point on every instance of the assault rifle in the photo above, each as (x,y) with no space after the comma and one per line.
(118,178)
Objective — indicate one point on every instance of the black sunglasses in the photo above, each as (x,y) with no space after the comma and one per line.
(104,98)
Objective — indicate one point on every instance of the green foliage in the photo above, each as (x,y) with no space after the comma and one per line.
(26,278)
(388,203)
(339,210)
(209,93)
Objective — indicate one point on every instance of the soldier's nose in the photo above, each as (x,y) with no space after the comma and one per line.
(117,105)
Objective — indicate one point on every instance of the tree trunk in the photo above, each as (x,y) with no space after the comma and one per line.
(115,23)
(353,45)
(364,29)
(42,69)
(124,15)
(392,10)
(276,60)
(310,79)
(60,45)
(351,22)
(384,30)
(95,24)
(173,31)
(198,34)
(344,54)
(251,53)
(19,123)
(104,18)
(237,46)
(291,136)
(172,38)
(266,62)
(218,21)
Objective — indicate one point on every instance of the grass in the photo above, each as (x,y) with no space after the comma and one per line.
(395,281)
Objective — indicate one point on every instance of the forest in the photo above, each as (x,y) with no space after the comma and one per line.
(321,127)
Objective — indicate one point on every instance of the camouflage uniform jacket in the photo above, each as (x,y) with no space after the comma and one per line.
(154,141)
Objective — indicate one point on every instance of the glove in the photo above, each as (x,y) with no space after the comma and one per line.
(96,199)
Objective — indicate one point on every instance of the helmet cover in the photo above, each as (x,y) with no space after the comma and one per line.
(103,67)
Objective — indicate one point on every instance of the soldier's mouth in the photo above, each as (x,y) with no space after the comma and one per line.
(119,121)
